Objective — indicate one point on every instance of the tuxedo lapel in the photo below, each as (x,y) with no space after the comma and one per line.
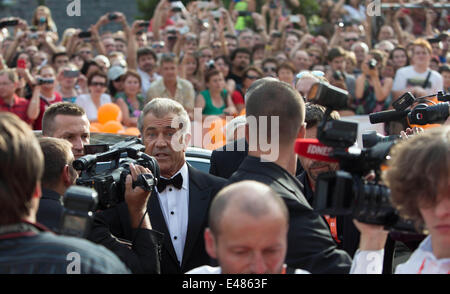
(159,224)
(198,208)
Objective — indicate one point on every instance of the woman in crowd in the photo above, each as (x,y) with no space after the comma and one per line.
(400,58)
(215,100)
(44,94)
(250,75)
(131,101)
(286,73)
(222,63)
(372,91)
(190,70)
(97,97)
(67,82)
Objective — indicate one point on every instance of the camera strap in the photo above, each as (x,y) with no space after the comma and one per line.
(426,80)
(19,230)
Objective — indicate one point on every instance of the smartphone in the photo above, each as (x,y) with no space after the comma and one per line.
(21,63)
(112,16)
(71,73)
(42,81)
(244,13)
(145,24)
(84,34)
(216,13)
(9,23)
(294,18)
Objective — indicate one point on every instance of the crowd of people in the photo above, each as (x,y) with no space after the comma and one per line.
(249,214)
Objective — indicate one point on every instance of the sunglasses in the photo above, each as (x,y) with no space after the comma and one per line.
(252,77)
(94,84)
(316,73)
(269,69)
(351,39)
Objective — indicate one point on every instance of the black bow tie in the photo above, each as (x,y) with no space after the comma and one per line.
(176,181)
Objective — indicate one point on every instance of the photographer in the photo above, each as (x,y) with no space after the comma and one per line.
(25,246)
(418,177)
(58,176)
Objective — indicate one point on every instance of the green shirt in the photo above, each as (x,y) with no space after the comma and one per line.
(209,108)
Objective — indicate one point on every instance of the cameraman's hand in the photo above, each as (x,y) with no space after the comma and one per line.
(137,198)
(373,237)
(408,133)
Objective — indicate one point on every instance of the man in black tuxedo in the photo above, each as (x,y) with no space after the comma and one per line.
(179,207)
(310,244)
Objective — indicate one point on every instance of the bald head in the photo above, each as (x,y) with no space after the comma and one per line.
(251,198)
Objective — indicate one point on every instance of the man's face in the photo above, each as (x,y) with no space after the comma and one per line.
(241,60)
(315,167)
(270,69)
(446,78)
(249,245)
(7,87)
(146,63)
(120,46)
(61,61)
(109,45)
(231,44)
(301,61)
(349,39)
(338,63)
(74,129)
(246,40)
(160,140)
(169,71)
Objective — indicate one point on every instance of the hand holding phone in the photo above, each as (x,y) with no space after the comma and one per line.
(21,63)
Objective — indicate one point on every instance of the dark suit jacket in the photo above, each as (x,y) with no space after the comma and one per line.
(310,244)
(227,159)
(202,189)
(50,210)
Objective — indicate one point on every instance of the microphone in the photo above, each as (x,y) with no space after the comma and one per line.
(313,149)
(387,115)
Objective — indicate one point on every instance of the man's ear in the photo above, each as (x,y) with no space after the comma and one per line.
(302,132)
(65,176)
(210,243)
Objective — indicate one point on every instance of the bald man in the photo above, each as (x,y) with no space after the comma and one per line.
(247,233)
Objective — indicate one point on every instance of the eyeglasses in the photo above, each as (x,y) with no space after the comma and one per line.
(94,84)
(85,52)
(269,69)
(316,73)
(351,39)
(252,77)
(157,46)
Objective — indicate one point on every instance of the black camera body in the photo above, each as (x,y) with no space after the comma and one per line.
(79,206)
(348,191)
(372,63)
(42,81)
(106,172)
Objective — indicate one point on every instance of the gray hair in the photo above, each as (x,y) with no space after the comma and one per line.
(362,44)
(161,107)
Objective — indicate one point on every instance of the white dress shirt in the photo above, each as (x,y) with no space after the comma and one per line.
(175,207)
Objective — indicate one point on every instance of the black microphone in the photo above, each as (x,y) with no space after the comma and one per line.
(387,115)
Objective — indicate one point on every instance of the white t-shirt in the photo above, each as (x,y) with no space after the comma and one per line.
(88,105)
(407,77)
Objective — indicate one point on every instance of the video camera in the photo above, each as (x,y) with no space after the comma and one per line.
(106,172)
(420,114)
(348,191)
(79,206)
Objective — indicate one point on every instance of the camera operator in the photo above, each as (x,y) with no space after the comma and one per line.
(418,177)
(58,176)
(67,121)
(25,246)
(179,208)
